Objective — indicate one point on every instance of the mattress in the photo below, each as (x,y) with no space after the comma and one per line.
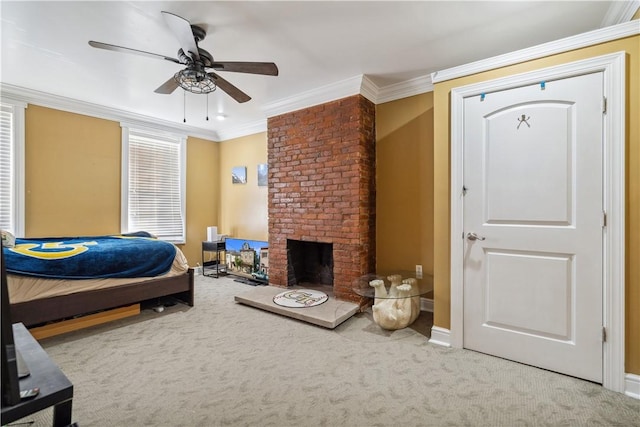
(25,288)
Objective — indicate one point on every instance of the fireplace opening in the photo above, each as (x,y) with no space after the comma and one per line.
(309,263)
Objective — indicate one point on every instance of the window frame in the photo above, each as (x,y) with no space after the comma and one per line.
(17,199)
(164,137)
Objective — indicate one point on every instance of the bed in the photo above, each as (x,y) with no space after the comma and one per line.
(54,279)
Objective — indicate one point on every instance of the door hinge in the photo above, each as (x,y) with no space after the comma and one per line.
(604,105)
(604,334)
(464,190)
(604,219)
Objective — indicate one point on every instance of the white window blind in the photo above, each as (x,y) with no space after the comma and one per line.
(155,179)
(6,168)
(12,167)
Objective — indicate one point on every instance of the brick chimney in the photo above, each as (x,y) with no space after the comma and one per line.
(322,189)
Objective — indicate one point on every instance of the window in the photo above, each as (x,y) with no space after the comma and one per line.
(12,167)
(153,183)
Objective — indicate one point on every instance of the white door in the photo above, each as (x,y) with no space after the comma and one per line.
(534,197)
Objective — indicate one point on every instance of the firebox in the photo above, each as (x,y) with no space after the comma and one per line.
(310,263)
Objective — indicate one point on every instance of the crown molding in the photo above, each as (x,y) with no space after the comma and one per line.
(320,95)
(360,84)
(243,130)
(70,105)
(619,12)
(411,87)
(590,38)
(369,89)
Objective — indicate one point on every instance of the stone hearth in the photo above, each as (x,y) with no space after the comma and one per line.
(328,315)
(322,188)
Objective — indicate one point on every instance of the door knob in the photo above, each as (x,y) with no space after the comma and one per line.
(474,236)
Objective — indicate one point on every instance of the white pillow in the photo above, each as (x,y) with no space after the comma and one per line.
(8,239)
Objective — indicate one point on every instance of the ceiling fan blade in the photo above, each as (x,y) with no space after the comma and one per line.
(266,68)
(230,89)
(115,48)
(181,28)
(167,87)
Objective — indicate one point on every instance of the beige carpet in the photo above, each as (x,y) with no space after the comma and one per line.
(221,363)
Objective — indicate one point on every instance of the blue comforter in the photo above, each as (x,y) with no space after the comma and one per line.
(90,257)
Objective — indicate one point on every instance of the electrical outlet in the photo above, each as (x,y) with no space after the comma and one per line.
(418,271)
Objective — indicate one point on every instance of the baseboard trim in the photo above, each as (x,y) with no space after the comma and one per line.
(440,336)
(632,385)
(426,304)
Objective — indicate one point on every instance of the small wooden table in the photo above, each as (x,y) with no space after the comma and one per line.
(55,389)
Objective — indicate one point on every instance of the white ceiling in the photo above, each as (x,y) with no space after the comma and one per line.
(315,45)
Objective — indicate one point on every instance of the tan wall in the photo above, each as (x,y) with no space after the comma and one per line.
(72,174)
(203,194)
(631,45)
(404,184)
(243,207)
(72,178)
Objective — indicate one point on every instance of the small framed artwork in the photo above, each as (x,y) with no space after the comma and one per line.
(263,171)
(239,175)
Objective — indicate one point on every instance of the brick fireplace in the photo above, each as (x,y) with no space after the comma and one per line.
(322,190)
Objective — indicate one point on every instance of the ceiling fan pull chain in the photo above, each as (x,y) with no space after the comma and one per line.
(207,107)
(184,108)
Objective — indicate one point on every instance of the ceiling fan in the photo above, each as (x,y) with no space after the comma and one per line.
(195,78)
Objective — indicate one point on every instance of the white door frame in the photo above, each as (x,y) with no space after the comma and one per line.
(613,68)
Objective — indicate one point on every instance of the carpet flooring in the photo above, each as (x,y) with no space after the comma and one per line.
(221,363)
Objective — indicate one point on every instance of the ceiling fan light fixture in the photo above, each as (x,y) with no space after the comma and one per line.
(195,78)
(195,81)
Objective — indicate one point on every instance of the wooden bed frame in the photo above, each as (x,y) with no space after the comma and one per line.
(44,310)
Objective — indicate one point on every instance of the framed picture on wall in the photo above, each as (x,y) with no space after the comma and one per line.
(239,175)
(263,171)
